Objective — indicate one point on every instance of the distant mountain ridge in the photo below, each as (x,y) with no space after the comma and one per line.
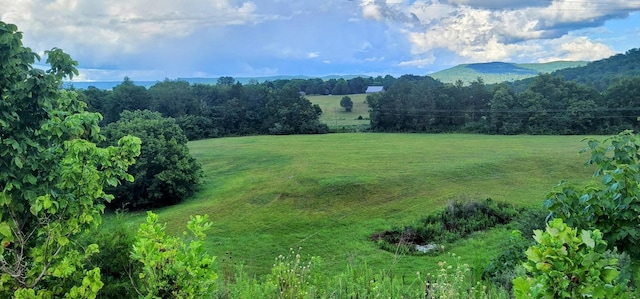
(496,72)
(243,80)
(598,74)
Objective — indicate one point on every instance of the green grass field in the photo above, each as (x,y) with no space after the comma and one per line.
(336,117)
(328,193)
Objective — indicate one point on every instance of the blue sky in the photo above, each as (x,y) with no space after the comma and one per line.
(157,39)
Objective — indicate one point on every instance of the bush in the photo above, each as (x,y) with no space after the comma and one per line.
(568,263)
(117,270)
(611,204)
(171,268)
(457,221)
(165,173)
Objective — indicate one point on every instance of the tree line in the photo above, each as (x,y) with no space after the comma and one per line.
(548,105)
(206,111)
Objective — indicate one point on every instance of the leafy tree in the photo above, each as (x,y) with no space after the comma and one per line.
(622,101)
(196,127)
(291,113)
(165,172)
(52,176)
(341,87)
(172,268)
(174,99)
(117,270)
(611,204)
(97,100)
(226,81)
(346,103)
(126,96)
(506,116)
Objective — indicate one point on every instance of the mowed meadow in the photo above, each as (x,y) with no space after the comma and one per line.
(328,193)
(337,118)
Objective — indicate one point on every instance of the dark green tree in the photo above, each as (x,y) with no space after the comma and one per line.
(174,99)
(622,101)
(226,81)
(290,113)
(506,111)
(126,96)
(341,87)
(346,103)
(165,172)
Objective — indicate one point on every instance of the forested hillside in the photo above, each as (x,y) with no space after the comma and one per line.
(600,98)
(599,74)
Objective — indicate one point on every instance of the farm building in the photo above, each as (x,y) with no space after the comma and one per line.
(374,89)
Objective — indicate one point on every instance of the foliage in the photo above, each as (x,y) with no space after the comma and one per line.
(503,268)
(603,73)
(599,98)
(52,176)
(291,277)
(117,270)
(172,268)
(290,113)
(294,277)
(458,220)
(165,172)
(611,205)
(568,263)
(346,103)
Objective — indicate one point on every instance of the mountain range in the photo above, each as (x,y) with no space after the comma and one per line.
(597,73)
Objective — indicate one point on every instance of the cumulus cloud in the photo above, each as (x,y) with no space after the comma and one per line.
(160,39)
(102,30)
(576,48)
(490,30)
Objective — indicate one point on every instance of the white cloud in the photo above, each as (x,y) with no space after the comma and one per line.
(371,10)
(576,48)
(492,30)
(419,63)
(147,39)
(111,28)
(372,59)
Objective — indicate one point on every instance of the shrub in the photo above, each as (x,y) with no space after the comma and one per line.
(117,270)
(611,205)
(165,173)
(170,267)
(568,263)
(456,221)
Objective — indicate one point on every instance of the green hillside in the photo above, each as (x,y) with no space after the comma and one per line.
(495,72)
(329,193)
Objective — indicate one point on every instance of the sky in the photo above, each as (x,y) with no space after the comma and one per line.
(158,39)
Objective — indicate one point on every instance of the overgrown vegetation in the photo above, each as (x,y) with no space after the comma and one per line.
(456,221)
